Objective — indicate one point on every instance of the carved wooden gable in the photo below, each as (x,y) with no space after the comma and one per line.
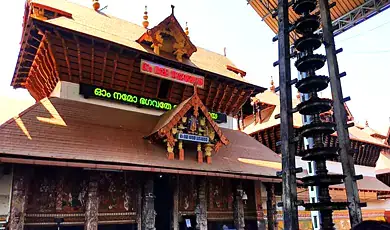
(189,122)
(168,36)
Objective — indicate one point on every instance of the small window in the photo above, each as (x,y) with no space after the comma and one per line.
(310,168)
(312,188)
(164,89)
(313,200)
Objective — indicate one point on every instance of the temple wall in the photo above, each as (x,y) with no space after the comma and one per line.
(68,90)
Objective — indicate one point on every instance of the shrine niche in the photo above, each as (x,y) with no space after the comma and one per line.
(189,123)
(187,194)
(117,193)
(42,191)
(168,36)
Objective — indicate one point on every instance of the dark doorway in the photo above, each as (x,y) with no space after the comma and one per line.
(163,203)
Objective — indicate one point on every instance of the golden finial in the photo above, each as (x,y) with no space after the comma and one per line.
(96,5)
(367,123)
(272,88)
(187,31)
(145,23)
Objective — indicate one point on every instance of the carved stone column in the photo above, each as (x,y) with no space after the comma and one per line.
(259,206)
(271,207)
(91,208)
(148,212)
(238,210)
(201,208)
(19,197)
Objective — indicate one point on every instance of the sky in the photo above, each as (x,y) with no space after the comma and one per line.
(216,24)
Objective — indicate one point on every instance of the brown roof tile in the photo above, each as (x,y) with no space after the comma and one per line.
(271,98)
(66,130)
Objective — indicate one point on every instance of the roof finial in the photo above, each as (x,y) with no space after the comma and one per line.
(173,9)
(367,123)
(96,5)
(224,51)
(187,31)
(145,23)
(272,88)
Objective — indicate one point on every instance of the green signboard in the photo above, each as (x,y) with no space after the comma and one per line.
(112,95)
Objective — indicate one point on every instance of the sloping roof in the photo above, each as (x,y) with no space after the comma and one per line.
(87,21)
(272,98)
(68,131)
(368,183)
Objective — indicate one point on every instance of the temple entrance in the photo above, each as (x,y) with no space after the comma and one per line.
(163,203)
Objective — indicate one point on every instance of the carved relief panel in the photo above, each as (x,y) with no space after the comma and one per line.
(187,193)
(117,192)
(220,194)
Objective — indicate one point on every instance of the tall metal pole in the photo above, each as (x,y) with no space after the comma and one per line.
(355,213)
(290,211)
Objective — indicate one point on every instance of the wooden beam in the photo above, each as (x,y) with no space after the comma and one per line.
(65,48)
(274,133)
(79,57)
(51,54)
(158,87)
(104,63)
(92,60)
(114,70)
(216,96)
(131,66)
(223,96)
(207,96)
(238,96)
(183,94)
(233,93)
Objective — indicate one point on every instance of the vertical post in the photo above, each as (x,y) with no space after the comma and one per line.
(139,202)
(91,208)
(19,198)
(201,208)
(148,212)
(290,211)
(238,211)
(355,213)
(175,212)
(259,206)
(272,221)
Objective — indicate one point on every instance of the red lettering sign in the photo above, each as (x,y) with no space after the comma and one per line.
(171,74)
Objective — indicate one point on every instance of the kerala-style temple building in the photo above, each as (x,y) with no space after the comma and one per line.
(132,129)
(371,159)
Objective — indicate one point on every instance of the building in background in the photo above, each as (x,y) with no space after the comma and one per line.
(132,129)
(369,146)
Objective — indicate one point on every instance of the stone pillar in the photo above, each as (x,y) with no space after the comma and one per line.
(271,207)
(19,197)
(238,209)
(148,212)
(259,206)
(91,208)
(201,208)
(175,212)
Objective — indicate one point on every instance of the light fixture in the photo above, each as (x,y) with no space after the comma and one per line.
(243,195)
